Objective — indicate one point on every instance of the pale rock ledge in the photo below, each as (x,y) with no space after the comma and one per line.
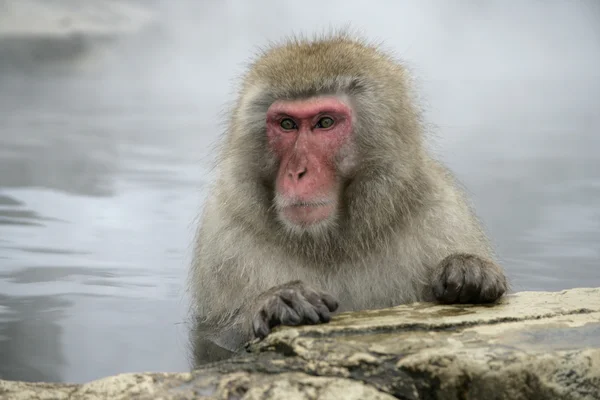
(531,345)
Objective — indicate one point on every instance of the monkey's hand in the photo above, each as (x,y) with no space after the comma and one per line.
(293,303)
(467,278)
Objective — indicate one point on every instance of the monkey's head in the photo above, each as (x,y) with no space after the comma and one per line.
(324,138)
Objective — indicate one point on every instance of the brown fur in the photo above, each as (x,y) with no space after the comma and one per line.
(401,214)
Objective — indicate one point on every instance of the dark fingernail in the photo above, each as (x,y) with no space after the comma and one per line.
(325,316)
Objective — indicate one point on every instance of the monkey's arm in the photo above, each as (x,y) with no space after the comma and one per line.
(221,301)
(465,270)
(231,317)
(241,290)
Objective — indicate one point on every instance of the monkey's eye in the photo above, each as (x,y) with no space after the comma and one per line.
(325,122)
(287,124)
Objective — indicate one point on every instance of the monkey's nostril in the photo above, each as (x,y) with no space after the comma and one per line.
(301,174)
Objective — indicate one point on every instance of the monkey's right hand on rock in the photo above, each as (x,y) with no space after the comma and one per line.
(293,303)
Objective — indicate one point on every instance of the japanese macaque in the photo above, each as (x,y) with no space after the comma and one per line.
(326,200)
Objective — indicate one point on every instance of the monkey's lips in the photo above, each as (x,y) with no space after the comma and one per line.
(305,214)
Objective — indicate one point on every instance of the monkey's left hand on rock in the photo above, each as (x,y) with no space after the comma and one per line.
(467,278)
(293,303)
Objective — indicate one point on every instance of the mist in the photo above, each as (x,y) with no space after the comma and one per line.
(477,47)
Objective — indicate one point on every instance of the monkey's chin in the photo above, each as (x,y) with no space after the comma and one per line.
(305,216)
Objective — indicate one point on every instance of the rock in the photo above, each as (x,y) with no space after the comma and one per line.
(530,345)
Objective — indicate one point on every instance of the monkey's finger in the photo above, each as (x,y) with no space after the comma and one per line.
(330,301)
(438,283)
(473,281)
(494,285)
(261,330)
(287,315)
(281,312)
(449,283)
(259,325)
(293,302)
(320,307)
(308,311)
(454,284)
(301,305)
(323,311)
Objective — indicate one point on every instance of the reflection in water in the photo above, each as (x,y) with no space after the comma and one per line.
(204,350)
(102,172)
(31,348)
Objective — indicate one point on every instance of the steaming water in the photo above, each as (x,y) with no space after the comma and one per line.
(103,173)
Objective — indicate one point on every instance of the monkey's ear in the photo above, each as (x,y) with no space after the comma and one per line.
(253,103)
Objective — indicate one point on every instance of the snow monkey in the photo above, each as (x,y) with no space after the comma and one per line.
(326,199)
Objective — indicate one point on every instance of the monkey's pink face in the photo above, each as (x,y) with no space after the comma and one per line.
(306,136)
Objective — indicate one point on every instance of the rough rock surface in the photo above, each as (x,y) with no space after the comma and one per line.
(532,345)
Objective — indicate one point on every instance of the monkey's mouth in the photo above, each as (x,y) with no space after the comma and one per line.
(308,213)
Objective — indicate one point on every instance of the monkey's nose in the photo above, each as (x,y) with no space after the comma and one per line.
(298,174)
